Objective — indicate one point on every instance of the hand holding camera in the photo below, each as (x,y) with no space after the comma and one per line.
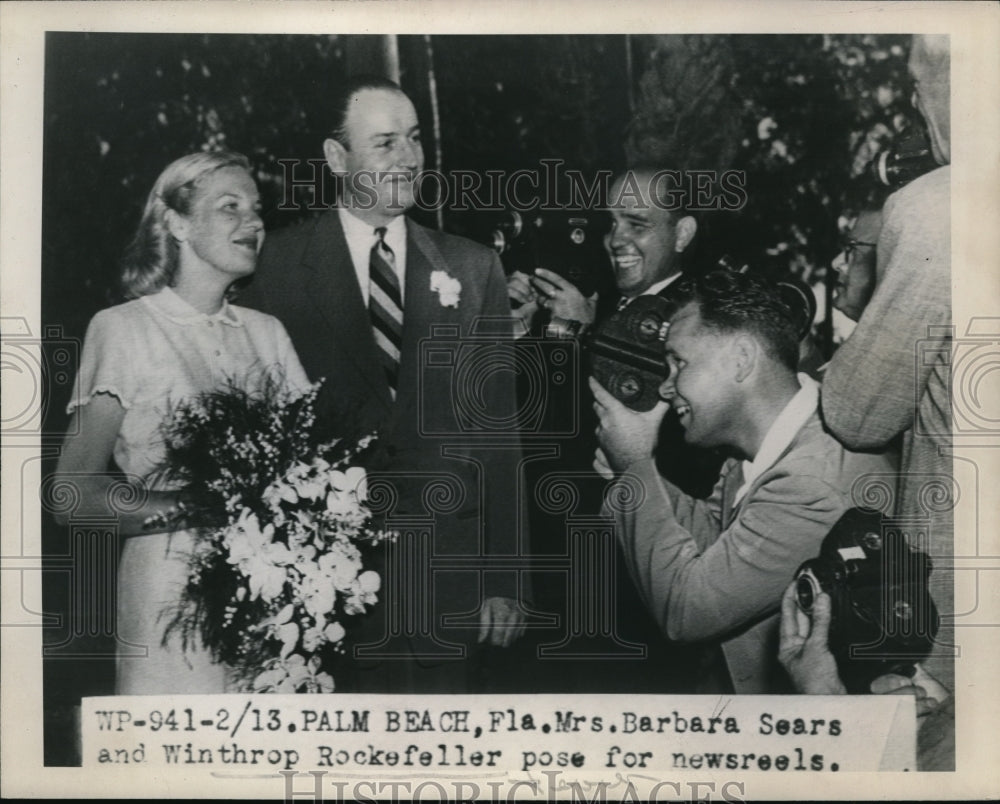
(625,436)
(627,352)
(868,589)
(562,298)
(566,288)
(805,655)
(803,650)
(523,302)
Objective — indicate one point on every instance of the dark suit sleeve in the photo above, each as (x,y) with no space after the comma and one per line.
(506,525)
(254,293)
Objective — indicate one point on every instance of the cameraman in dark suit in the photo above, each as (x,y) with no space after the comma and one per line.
(358,288)
(649,235)
(645,246)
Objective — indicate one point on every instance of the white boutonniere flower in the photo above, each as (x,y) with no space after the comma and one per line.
(448,289)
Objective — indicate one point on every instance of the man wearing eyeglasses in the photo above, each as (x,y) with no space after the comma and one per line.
(856,272)
(891,377)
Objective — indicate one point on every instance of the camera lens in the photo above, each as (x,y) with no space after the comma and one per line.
(806,591)
(628,386)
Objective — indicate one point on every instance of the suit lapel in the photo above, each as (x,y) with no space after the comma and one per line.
(334,290)
(422,309)
(422,306)
(734,480)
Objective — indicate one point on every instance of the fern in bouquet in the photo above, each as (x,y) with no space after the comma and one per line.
(270,590)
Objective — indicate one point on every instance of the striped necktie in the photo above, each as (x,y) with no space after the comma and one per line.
(385,305)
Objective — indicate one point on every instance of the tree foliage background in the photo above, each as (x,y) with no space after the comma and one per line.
(801,115)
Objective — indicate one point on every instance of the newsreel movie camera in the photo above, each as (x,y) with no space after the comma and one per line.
(908,159)
(883,619)
(568,243)
(627,353)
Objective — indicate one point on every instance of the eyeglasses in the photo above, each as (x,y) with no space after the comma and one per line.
(852,245)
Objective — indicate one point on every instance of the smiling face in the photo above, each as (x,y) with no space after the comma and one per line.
(645,240)
(701,388)
(223,232)
(381,156)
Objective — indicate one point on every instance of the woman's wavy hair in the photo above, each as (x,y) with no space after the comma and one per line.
(150,260)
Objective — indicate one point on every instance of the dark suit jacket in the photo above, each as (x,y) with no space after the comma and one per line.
(306,279)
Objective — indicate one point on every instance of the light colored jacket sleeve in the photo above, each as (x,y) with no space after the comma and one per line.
(701,582)
(871,386)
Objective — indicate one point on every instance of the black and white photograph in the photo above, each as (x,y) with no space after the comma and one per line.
(573,407)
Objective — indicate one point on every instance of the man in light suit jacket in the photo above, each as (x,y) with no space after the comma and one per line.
(361,289)
(713,571)
(892,377)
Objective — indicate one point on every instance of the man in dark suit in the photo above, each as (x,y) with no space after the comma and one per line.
(361,289)
(649,235)
(647,240)
(645,246)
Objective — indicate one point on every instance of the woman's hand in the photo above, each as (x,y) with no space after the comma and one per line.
(85,480)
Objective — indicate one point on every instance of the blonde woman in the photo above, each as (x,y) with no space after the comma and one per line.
(177,336)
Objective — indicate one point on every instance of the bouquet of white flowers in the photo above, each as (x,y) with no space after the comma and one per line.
(271,591)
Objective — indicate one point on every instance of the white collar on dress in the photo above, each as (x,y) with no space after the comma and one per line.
(791,419)
(172,306)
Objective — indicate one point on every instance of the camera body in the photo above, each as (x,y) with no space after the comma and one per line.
(883,618)
(456,371)
(627,351)
(567,243)
(909,159)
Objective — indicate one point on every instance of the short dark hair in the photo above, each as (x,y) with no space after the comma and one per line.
(733,302)
(342,102)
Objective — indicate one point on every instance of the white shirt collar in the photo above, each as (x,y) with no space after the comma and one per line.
(169,304)
(652,290)
(656,287)
(791,419)
(361,237)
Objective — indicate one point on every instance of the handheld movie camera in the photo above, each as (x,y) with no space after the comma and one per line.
(883,618)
